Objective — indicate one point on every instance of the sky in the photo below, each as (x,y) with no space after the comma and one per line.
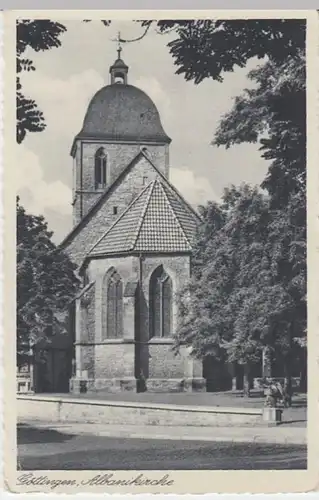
(65,80)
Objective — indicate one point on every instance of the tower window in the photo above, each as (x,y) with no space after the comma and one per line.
(119,78)
(100,169)
(114,210)
(144,181)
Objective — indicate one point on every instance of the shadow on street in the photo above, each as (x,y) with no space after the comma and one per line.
(26,434)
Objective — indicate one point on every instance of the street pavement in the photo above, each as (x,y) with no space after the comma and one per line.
(281,434)
(45,449)
(42,448)
(80,446)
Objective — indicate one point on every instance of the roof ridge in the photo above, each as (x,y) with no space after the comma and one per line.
(152,184)
(174,214)
(103,195)
(119,218)
(171,186)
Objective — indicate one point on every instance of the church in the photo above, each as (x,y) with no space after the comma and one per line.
(132,240)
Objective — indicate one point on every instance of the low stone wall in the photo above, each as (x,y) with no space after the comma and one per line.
(57,409)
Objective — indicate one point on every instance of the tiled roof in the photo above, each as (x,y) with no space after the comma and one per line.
(96,206)
(158,220)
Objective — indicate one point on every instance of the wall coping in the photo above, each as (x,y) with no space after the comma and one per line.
(150,406)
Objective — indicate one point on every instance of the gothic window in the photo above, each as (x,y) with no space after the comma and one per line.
(100,169)
(113,312)
(160,303)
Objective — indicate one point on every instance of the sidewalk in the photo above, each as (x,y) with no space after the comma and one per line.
(273,435)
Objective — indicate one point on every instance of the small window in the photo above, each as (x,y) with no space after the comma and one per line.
(119,78)
(144,181)
(100,169)
(114,210)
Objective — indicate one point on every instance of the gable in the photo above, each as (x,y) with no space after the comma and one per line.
(158,220)
(78,243)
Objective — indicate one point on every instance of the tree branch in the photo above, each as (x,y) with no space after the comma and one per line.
(138,38)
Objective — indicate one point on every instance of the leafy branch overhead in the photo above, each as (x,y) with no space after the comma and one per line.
(37,35)
(273,113)
(207,48)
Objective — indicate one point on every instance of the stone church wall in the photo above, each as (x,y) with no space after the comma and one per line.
(118,157)
(96,272)
(116,364)
(121,197)
(114,360)
(163,362)
(163,368)
(88,316)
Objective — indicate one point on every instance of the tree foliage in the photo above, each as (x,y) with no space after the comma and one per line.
(208,48)
(273,113)
(46,281)
(38,35)
(248,287)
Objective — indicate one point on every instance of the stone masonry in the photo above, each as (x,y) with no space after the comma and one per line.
(132,243)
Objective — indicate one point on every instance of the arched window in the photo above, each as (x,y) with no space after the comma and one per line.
(119,77)
(160,303)
(114,306)
(100,169)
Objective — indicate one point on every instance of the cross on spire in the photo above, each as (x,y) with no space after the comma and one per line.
(119,47)
(119,69)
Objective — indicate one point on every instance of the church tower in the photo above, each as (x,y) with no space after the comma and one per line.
(132,242)
(120,121)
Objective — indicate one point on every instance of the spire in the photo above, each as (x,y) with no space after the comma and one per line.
(119,69)
(119,47)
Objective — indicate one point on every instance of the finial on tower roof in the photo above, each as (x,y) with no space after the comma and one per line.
(119,69)
(119,47)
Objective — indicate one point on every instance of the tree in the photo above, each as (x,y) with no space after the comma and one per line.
(46,282)
(231,268)
(246,294)
(288,241)
(208,48)
(37,35)
(273,113)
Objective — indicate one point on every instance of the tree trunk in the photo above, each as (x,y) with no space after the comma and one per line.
(266,362)
(246,380)
(288,381)
(232,369)
(303,370)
